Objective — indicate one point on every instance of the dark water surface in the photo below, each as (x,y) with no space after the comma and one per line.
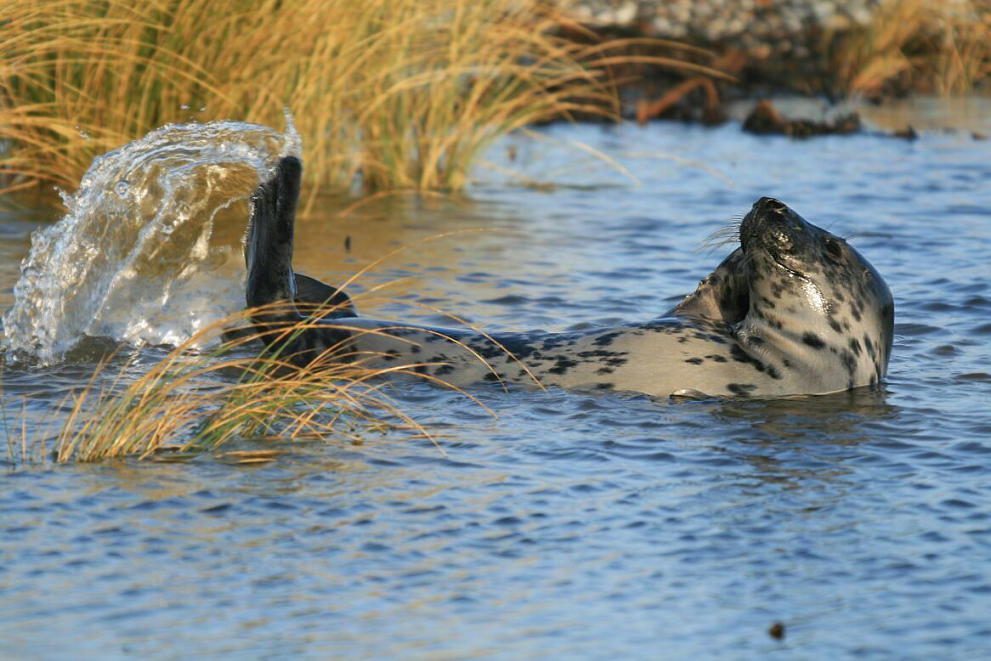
(568,525)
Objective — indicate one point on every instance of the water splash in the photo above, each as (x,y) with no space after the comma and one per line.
(150,249)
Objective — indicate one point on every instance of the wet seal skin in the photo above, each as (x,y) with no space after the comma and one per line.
(794,310)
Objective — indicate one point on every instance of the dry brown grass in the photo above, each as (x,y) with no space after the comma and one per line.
(392,94)
(918,45)
(192,402)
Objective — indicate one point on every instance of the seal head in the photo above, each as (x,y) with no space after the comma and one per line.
(815,304)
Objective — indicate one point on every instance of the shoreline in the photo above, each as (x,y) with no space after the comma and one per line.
(415,94)
(876,50)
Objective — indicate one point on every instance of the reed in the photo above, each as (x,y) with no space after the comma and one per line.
(192,402)
(386,94)
(917,45)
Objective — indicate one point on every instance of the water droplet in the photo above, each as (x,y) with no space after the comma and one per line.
(202,108)
(184,106)
(121,188)
(64,196)
(82,133)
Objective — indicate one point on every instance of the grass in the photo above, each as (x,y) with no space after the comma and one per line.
(191,402)
(386,94)
(917,46)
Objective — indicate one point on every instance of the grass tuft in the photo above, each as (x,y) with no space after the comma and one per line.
(917,46)
(193,402)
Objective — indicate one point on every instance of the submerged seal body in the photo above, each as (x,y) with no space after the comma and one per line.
(794,310)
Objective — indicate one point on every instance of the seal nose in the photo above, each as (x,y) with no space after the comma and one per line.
(768,224)
(769,205)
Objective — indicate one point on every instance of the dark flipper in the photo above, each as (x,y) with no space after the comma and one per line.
(271,281)
(311,295)
(268,249)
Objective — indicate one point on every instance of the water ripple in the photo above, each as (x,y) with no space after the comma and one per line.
(571,524)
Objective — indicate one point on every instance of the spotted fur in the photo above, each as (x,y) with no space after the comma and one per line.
(794,310)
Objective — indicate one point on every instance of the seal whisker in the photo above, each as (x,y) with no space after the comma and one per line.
(728,234)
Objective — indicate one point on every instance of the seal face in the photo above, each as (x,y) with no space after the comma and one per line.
(814,301)
(794,310)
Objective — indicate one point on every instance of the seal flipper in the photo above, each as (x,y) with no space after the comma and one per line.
(271,281)
(311,294)
(268,252)
(722,296)
(269,245)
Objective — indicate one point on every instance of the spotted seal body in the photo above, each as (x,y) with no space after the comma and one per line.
(794,310)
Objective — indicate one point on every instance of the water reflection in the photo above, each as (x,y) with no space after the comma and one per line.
(837,418)
(805,443)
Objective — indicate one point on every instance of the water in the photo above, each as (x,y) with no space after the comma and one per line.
(137,257)
(569,524)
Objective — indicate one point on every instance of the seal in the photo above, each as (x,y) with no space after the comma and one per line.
(794,310)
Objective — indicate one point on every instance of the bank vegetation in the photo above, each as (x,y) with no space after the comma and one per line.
(386,94)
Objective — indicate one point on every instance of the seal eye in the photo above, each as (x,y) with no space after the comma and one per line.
(833,248)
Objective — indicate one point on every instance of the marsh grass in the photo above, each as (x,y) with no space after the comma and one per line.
(386,94)
(917,45)
(193,402)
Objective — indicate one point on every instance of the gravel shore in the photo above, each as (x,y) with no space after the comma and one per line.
(760,28)
(829,48)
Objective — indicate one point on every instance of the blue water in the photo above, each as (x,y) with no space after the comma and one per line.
(567,525)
